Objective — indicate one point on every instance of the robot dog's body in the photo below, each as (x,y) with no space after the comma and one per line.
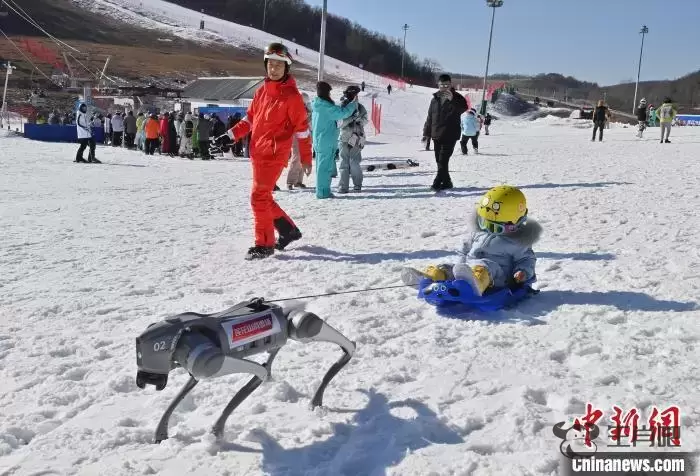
(213,345)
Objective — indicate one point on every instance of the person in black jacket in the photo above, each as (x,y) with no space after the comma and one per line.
(642,117)
(444,128)
(600,115)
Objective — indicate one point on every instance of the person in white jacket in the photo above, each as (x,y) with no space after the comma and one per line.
(117,129)
(84,129)
(185,132)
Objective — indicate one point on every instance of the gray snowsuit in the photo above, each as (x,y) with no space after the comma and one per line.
(352,141)
(501,255)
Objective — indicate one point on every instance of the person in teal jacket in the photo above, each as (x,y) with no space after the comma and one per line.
(325,133)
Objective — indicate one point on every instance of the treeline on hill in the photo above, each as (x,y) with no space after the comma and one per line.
(346,41)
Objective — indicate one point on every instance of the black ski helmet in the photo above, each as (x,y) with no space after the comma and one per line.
(278,51)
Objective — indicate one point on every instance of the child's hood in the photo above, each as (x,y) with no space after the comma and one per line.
(527,235)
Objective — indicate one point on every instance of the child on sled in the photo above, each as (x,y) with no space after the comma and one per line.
(497,251)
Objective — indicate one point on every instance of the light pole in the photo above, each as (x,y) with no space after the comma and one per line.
(403,53)
(3,110)
(493,4)
(643,31)
(264,14)
(322,48)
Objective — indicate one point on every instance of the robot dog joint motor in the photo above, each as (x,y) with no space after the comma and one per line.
(213,345)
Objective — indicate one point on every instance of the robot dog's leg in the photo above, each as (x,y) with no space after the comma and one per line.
(162,429)
(308,327)
(242,394)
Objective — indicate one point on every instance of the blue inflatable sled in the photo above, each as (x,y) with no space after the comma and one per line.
(458,295)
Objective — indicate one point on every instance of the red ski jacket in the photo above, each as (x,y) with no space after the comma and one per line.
(276,115)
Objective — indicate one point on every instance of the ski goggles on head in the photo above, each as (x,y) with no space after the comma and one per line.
(498,228)
(280,54)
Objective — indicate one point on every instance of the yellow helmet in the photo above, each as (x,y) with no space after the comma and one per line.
(503,209)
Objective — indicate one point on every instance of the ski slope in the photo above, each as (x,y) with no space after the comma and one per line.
(92,254)
(182,22)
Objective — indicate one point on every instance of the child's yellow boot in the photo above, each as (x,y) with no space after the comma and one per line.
(477,276)
(413,276)
(482,278)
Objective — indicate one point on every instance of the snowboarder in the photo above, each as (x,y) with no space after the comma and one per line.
(443,126)
(487,123)
(325,135)
(470,130)
(85,138)
(666,113)
(498,250)
(642,117)
(600,116)
(276,115)
(352,141)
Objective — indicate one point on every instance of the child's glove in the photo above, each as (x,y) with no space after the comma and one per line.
(520,276)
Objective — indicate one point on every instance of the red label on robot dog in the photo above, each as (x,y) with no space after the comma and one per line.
(251,328)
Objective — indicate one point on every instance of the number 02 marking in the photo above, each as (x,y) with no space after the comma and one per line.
(159,346)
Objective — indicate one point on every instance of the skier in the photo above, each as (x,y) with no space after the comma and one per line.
(443,126)
(666,113)
(84,130)
(600,115)
(325,135)
(108,129)
(117,129)
(388,89)
(164,133)
(152,133)
(186,132)
(295,174)
(487,123)
(498,250)
(203,130)
(352,141)
(130,130)
(642,117)
(470,130)
(140,135)
(276,115)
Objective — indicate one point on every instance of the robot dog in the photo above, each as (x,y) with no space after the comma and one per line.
(212,345)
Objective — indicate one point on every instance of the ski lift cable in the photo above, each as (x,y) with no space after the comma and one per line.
(25,56)
(25,16)
(95,74)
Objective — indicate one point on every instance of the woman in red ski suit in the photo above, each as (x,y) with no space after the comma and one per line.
(276,115)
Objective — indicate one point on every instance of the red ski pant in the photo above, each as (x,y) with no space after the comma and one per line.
(267,214)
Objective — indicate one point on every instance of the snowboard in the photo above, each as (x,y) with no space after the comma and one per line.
(390,166)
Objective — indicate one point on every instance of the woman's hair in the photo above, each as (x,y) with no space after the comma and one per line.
(323,90)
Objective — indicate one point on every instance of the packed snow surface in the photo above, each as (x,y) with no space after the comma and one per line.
(92,254)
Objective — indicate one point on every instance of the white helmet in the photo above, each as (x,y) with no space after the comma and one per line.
(643,101)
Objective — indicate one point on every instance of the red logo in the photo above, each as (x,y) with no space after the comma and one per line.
(251,328)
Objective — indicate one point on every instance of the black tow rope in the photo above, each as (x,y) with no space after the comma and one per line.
(336,293)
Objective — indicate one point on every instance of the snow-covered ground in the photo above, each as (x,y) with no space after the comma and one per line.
(92,254)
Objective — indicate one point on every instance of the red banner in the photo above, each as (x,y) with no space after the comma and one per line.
(42,53)
(376,117)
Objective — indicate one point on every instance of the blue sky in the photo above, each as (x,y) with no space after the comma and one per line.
(592,40)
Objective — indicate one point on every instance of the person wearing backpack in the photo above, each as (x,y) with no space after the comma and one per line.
(186,132)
